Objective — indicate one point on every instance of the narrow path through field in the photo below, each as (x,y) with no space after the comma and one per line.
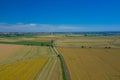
(32,62)
(65,71)
(52,70)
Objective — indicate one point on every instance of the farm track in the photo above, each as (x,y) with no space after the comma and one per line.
(55,72)
(52,70)
(65,71)
(32,62)
(44,73)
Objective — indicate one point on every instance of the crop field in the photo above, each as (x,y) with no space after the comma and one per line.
(60,57)
(23,70)
(87,57)
(6,50)
(20,62)
(92,64)
(89,41)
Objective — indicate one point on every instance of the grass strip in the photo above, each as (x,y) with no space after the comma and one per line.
(34,43)
(63,65)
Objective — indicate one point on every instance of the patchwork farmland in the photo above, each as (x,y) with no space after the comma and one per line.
(60,57)
(91,57)
(29,63)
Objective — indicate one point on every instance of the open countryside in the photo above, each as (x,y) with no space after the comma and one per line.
(60,57)
(91,57)
(59,39)
(29,62)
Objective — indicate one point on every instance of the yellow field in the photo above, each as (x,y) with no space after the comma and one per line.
(29,63)
(92,64)
(23,70)
(22,62)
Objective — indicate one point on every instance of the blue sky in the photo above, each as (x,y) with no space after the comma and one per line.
(59,15)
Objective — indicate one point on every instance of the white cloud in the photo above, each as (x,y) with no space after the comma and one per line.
(32,24)
(32,27)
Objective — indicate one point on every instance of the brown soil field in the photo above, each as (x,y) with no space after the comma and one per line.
(92,64)
(6,50)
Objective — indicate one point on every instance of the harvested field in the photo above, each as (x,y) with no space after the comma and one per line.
(52,70)
(23,70)
(29,63)
(6,50)
(92,64)
(93,41)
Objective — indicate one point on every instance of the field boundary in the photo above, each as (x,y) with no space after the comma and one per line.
(88,47)
(31,43)
(65,71)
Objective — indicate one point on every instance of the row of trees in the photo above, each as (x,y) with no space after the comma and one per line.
(106,47)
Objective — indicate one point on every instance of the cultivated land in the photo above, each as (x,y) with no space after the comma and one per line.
(92,64)
(29,62)
(88,59)
(89,41)
(6,50)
